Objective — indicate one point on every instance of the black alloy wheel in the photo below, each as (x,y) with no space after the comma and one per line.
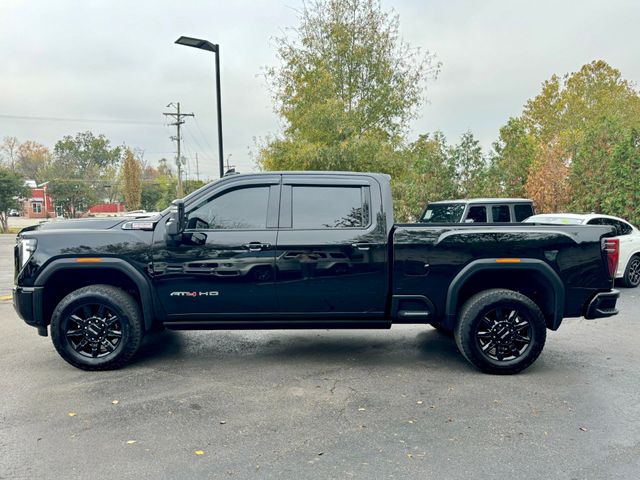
(98,327)
(503,334)
(500,331)
(93,330)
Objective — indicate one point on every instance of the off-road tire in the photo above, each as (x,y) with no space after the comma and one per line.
(115,300)
(477,308)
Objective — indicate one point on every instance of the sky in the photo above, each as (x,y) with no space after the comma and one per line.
(112,66)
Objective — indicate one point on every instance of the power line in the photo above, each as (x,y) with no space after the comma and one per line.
(122,121)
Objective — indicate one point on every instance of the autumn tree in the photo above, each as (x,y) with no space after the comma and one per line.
(131,180)
(32,159)
(346,89)
(547,182)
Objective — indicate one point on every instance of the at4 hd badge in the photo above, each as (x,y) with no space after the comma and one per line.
(194,294)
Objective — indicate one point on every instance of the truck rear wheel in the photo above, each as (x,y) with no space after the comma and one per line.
(98,327)
(500,331)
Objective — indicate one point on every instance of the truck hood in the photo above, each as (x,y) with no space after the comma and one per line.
(78,224)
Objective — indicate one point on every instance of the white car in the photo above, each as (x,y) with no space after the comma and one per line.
(627,234)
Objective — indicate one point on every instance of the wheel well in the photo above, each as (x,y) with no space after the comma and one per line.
(63,282)
(530,283)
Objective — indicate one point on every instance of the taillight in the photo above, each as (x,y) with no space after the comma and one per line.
(612,247)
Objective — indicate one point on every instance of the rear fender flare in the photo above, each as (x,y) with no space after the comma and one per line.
(486,264)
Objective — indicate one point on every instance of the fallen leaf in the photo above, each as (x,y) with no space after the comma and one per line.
(115,402)
(320,453)
(410,421)
(409,455)
(222,422)
(419,402)
(583,429)
(361,409)
(199,452)
(131,442)
(72,414)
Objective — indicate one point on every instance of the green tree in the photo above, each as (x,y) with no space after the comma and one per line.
(431,176)
(346,90)
(131,181)
(469,166)
(511,159)
(83,171)
(11,190)
(585,115)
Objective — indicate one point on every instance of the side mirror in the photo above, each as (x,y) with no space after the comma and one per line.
(176,223)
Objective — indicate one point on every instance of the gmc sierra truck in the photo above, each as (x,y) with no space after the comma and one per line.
(307,250)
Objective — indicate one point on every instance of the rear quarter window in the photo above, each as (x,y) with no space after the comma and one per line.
(522,211)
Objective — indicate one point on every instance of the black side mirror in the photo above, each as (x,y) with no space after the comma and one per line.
(176,223)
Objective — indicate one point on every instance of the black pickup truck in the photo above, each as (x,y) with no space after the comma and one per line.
(307,250)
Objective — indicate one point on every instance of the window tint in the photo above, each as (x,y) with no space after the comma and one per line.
(443,213)
(625,228)
(522,211)
(478,214)
(244,208)
(328,207)
(500,213)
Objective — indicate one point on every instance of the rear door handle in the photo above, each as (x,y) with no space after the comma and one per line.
(256,246)
(362,246)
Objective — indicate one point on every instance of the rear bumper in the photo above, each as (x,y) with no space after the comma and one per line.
(27,302)
(602,305)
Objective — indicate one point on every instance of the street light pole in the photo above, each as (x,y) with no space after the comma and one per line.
(206,45)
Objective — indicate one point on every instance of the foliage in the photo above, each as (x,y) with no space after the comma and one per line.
(346,90)
(9,152)
(32,159)
(83,171)
(547,182)
(11,190)
(131,181)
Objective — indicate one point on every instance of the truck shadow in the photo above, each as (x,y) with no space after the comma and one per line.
(368,348)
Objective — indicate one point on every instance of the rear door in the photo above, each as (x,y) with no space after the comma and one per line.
(331,255)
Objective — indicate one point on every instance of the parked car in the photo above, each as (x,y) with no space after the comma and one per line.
(14,213)
(336,260)
(628,270)
(478,210)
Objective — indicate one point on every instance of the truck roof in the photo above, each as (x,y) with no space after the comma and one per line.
(484,200)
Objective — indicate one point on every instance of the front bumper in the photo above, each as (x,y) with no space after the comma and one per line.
(27,302)
(602,305)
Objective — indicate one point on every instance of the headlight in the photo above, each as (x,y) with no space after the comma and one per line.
(27,247)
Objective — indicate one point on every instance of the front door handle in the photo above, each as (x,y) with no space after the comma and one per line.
(362,246)
(256,246)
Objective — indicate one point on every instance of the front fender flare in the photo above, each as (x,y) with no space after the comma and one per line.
(142,283)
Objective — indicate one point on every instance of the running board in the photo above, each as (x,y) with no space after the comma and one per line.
(276,325)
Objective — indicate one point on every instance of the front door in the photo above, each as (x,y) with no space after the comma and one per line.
(225,263)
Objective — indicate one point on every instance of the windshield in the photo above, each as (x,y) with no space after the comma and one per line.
(443,213)
(554,220)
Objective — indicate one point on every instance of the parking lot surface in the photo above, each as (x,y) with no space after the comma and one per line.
(399,403)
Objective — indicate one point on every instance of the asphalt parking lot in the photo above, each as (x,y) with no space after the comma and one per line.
(322,404)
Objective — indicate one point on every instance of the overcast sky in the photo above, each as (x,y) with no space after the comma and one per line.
(111,62)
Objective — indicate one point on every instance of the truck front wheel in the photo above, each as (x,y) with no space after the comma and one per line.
(500,331)
(98,327)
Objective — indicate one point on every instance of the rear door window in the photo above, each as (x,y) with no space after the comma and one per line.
(500,213)
(322,207)
(477,213)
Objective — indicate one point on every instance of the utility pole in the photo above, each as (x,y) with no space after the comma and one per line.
(197,168)
(178,121)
